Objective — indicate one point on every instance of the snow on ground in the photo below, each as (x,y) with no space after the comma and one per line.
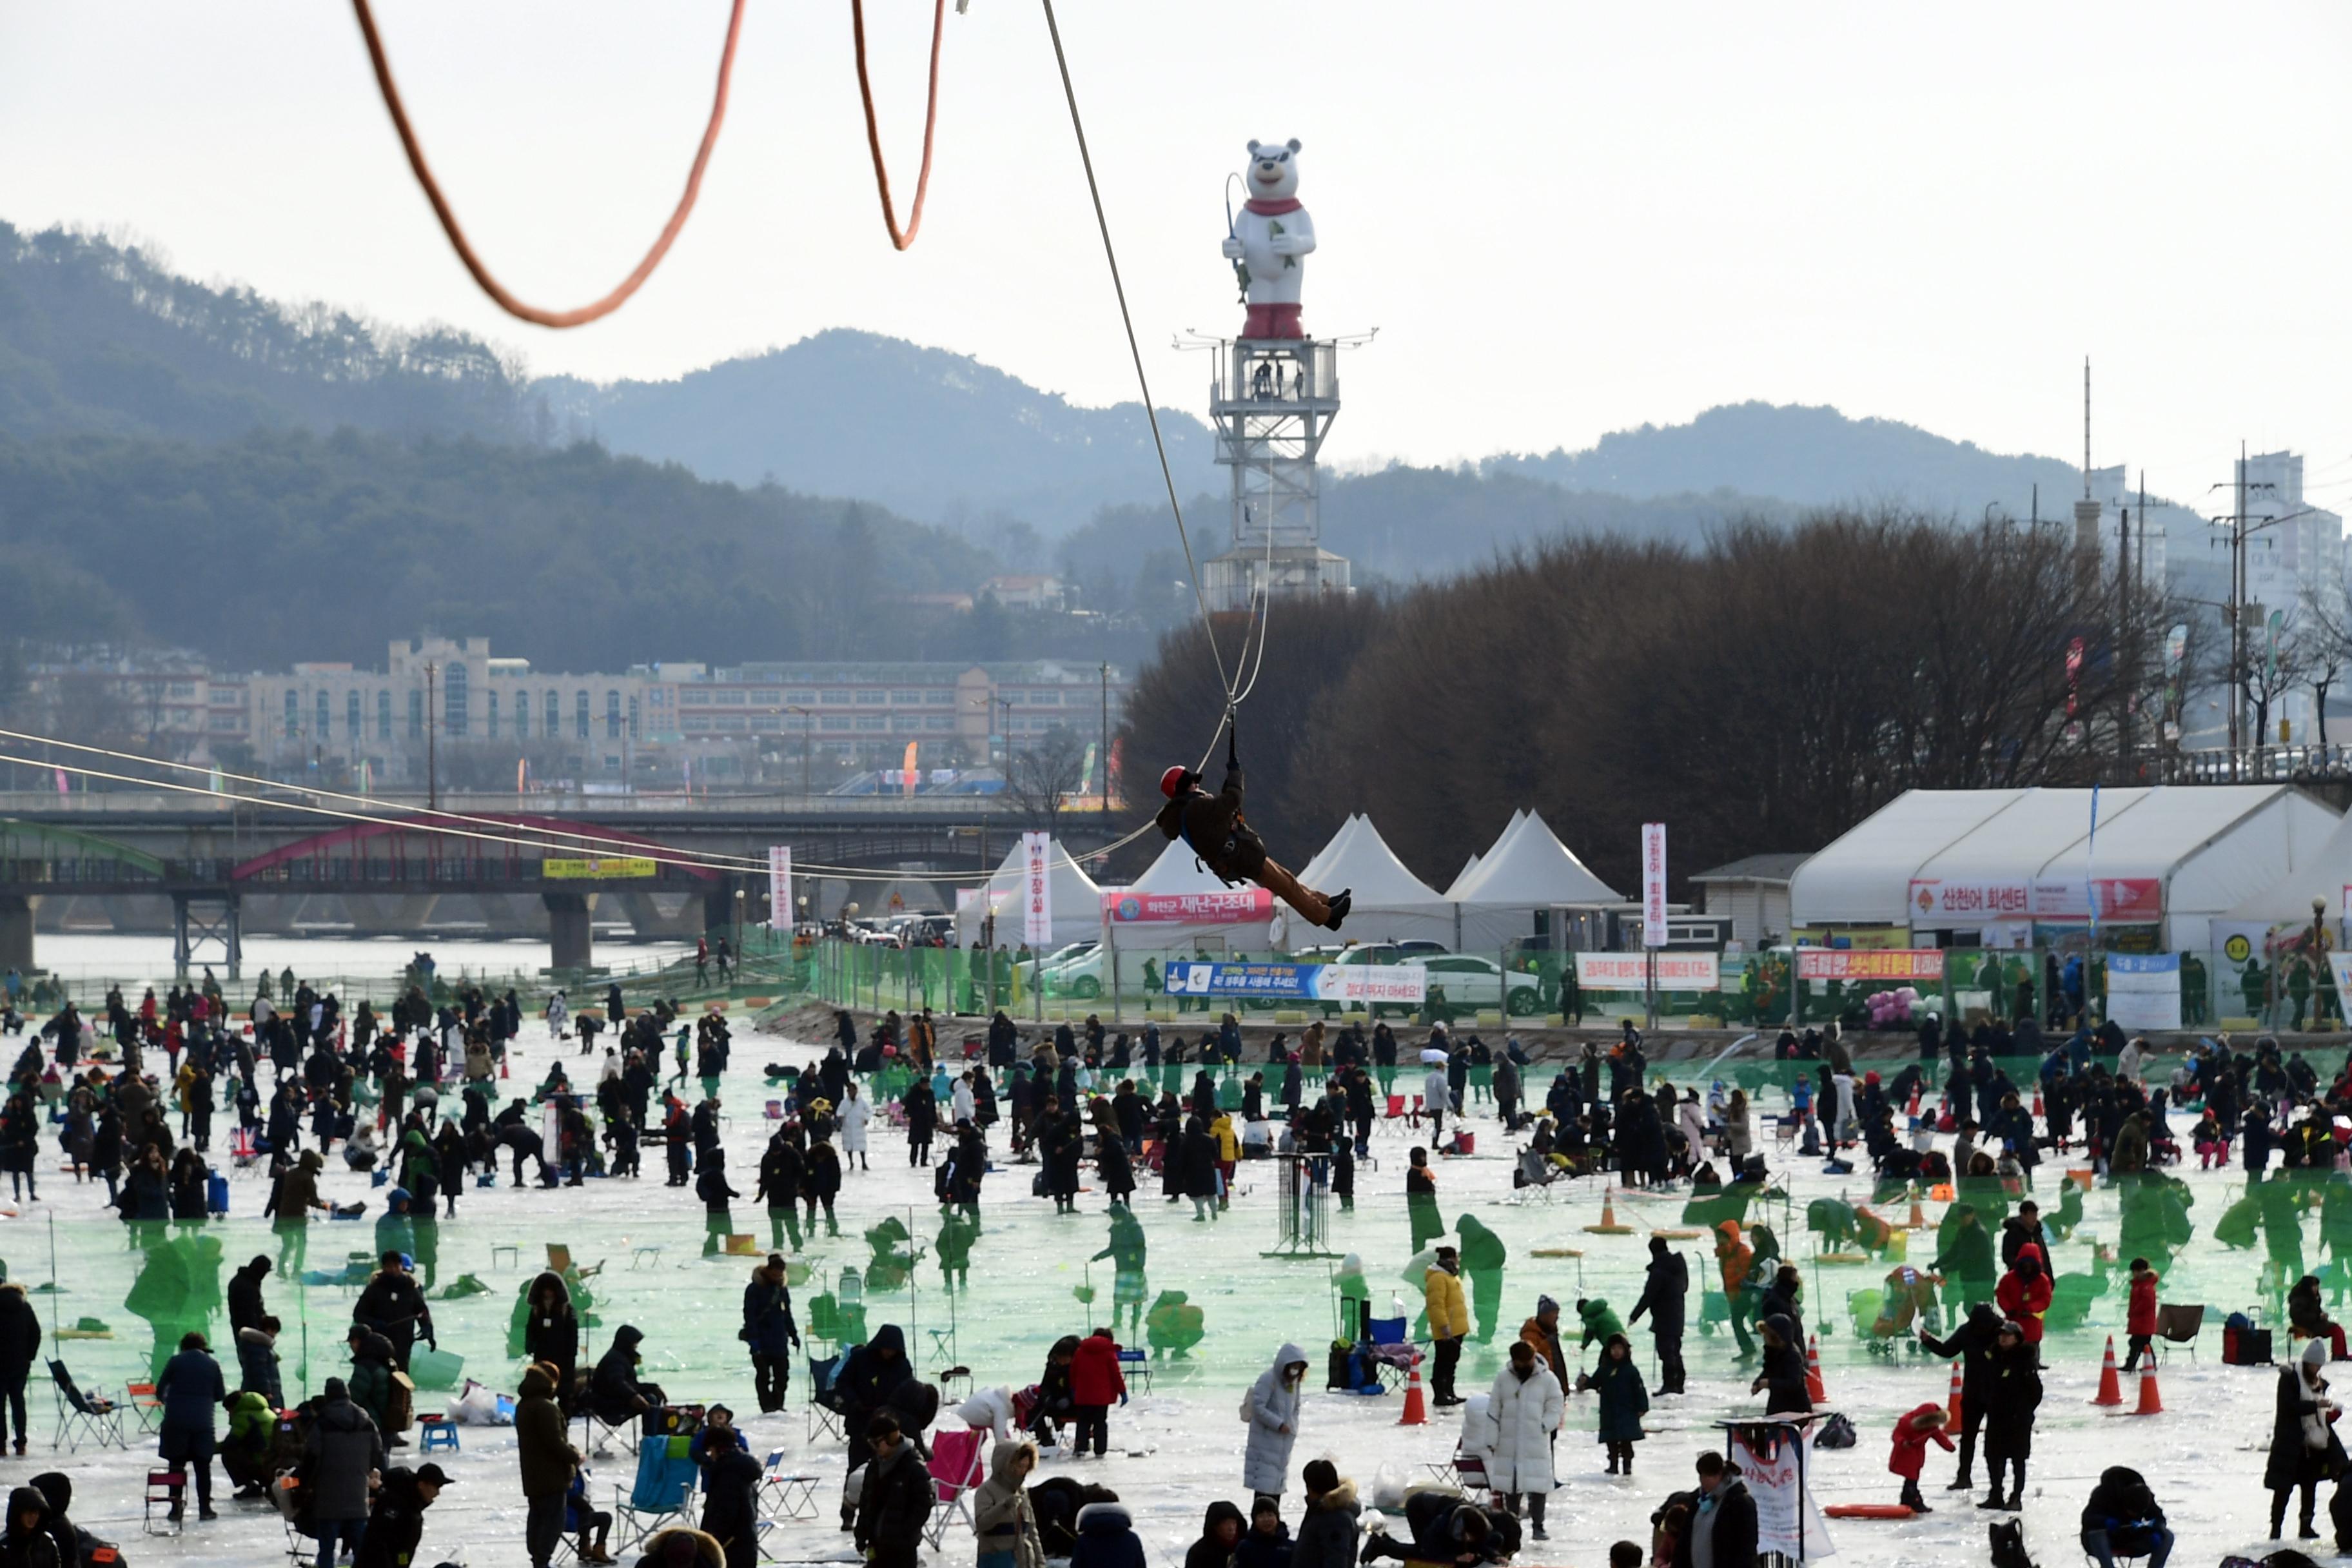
(1178,1444)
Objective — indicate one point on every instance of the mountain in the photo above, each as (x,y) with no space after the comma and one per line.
(1807,456)
(282,546)
(100,338)
(929,434)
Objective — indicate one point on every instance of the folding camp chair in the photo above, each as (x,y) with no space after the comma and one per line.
(1465,1471)
(1392,1352)
(823,1421)
(2178,1325)
(663,1492)
(80,1415)
(785,1493)
(144,1404)
(956,1474)
(160,1510)
(598,1429)
(1135,1365)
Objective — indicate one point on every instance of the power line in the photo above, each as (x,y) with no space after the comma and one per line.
(1135,352)
(541,838)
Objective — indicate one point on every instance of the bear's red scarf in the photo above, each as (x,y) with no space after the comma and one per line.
(1264,208)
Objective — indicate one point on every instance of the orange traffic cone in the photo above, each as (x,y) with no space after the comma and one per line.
(2110,1391)
(502,1066)
(1952,1400)
(1918,1220)
(1814,1388)
(1913,1108)
(2150,1404)
(1608,1225)
(1416,1414)
(2037,1105)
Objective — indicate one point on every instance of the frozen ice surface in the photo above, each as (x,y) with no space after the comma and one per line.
(1177,1446)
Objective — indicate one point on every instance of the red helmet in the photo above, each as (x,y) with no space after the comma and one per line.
(1173,780)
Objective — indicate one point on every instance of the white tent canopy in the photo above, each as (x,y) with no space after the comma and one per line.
(1526,870)
(2194,853)
(1077,901)
(2325,874)
(1388,904)
(1863,878)
(1179,870)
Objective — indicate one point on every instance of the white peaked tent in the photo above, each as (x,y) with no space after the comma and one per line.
(1313,869)
(1390,903)
(1528,869)
(2324,874)
(1077,901)
(1179,870)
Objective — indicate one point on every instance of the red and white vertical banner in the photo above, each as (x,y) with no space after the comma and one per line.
(1654,884)
(780,885)
(1036,890)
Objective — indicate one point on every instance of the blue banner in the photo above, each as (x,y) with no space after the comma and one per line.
(1387,983)
(1279,981)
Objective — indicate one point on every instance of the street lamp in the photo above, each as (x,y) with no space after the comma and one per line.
(739,932)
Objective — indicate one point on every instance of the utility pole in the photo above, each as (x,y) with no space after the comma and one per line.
(2237,608)
(432,737)
(1106,740)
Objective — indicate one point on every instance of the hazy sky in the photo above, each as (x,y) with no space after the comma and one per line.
(1565,218)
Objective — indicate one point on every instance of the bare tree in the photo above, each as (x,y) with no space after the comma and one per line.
(2327,615)
(2277,655)
(1041,776)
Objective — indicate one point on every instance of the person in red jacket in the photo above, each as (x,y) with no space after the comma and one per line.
(2139,1321)
(1912,1433)
(2023,1294)
(1096,1385)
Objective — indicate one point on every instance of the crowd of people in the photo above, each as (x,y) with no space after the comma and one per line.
(418,1092)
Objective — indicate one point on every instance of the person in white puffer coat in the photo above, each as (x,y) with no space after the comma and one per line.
(1523,1412)
(1270,1407)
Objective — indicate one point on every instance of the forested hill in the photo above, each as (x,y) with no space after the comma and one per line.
(1807,456)
(927,432)
(100,337)
(285,545)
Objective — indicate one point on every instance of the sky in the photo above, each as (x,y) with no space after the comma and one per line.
(1564,218)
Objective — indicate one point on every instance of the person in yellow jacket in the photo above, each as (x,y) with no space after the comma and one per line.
(1229,1151)
(1449,1320)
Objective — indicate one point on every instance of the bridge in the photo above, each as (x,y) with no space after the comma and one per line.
(209,855)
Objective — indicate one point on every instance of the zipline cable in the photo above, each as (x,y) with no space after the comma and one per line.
(1167,474)
(585,839)
(498,291)
(541,837)
(874,133)
(660,853)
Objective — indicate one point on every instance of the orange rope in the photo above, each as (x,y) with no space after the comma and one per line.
(874,134)
(653,258)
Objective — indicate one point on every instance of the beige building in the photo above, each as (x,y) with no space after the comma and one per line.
(479,711)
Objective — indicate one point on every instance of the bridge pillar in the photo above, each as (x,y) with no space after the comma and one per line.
(16,911)
(203,919)
(570,936)
(719,911)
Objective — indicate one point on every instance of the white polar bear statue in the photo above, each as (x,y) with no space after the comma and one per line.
(1272,238)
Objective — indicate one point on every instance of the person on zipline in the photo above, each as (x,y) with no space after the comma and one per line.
(1213,826)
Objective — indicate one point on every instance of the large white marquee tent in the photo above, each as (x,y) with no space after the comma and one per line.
(2178,858)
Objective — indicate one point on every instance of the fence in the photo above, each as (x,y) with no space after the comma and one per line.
(2241,985)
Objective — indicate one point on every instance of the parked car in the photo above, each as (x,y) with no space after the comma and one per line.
(1469,982)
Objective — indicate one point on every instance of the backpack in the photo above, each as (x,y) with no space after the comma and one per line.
(2008,1542)
(1837,1432)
